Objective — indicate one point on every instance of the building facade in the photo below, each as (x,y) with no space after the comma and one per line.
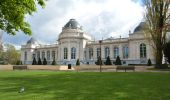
(73,43)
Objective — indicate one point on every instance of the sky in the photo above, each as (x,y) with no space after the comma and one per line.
(106,18)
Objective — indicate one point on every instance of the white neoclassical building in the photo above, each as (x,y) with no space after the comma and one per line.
(73,43)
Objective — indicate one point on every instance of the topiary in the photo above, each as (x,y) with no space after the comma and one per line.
(53,62)
(78,62)
(44,61)
(118,61)
(149,62)
(34,62)
(39,61)
(108,62)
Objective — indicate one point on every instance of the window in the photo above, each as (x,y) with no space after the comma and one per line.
(98,52)
(116,52)
(125,52)
(73,53)
(53,54)
(25,55)
(43,55)
(38,54)
(65,53)
(107,52)
(142,50)
(90,53)
(48,55)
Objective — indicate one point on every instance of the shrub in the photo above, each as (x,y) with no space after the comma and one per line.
(166,51)
(149,62)
(99,61)
(44,61)
(108,62)
(78,62)
(34,62)
(118,61)
(19,62)
(39,61)
(53,62)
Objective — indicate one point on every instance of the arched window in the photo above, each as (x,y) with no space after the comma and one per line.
(142,50)
(125,52)
(90,53)
(48,55)
(25,55)
(116,52)
(73,53)
(65,53)
(98,52)
(43,55)
(107,52)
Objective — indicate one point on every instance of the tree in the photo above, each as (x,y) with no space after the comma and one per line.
(166,51)
(44,61)
(34,62)
(108,62)
(10,55)
(149,62)
(157,17)
(13,13)
(53,62)
(118,61)
(78,62)
(39,61)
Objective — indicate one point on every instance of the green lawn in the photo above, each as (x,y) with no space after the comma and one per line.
(52,85)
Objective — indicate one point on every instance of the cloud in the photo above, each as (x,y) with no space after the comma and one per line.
(104,17)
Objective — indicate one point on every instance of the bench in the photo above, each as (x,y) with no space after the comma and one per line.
(125,68)
(19,67)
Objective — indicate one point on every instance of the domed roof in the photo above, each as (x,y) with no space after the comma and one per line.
(32,41)
(73,24)
(142,26)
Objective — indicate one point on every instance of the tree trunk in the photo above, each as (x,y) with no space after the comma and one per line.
(158,57)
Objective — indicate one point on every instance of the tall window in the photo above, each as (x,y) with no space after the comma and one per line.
(48,55)
(107,52)
(43,55)
(25,55)
(125,52)
(65,53)
(142,50)
(73,53)
(90,53)
(53,54)
(98,52)
(38,54)
(116,52)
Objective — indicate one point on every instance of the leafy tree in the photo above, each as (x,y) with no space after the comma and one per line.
(166,51)
(10,55)
(118,61)
(53,62)
(78,62)
(149,62)
(44,61)
(108,62)
(157,17)
(13,13)
(39,61)
(34,62)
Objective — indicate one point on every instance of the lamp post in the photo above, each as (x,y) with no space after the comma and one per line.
(100,41)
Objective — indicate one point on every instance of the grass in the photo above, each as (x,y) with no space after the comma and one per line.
(53,85)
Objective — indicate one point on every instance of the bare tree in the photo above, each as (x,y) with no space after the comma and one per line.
(157,17)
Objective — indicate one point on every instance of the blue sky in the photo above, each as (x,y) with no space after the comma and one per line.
(103,17)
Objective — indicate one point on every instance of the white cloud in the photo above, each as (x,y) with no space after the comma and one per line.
(104,17)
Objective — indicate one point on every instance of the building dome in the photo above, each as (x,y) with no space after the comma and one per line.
(142,26)
(32,41)
(73,24)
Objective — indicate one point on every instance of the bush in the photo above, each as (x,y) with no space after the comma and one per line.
(34,62)
(78,62)
(166,51)
(53,62)
(118,61)
(108,62)
(19,62)
(99,61)
(39,61)
(149,62)
(44,61)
